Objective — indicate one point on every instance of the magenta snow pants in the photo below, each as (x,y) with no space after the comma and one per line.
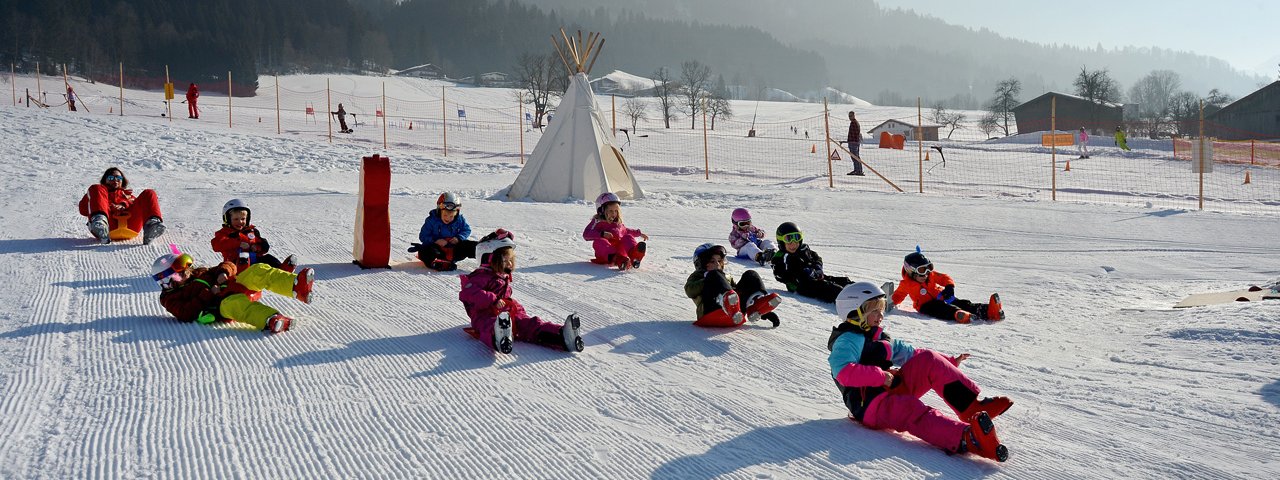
(625,246)
(524,328)
(901,410)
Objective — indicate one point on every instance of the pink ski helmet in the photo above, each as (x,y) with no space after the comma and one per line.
(741,215)
(605,199)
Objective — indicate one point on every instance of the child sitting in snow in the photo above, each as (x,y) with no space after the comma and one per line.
(749,240)
(445,235)
(240,242)
(495,316)
(882,379)
(801,268)
(933,293)
(207,294)
(614,243)
(716,295)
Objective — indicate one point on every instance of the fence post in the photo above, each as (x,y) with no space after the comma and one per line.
(826,132)
(1053,145)
(520,124)
(66,83)
(1251,151)
(1202,162)
(277,103)
(706,153)
(121,89)
(38,89)
(168,102)
(384,114)
(920,150)
(328,103)
(13,85)
(444,121)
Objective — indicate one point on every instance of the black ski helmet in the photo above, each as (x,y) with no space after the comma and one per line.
(788,228)
(703,253)
(915,260)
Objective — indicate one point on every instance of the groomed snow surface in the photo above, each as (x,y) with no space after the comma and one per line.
(377,379)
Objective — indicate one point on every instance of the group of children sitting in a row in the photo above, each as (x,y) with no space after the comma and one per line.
(881,379)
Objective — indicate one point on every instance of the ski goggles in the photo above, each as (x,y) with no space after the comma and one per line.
(114,177)
(793,237)
(179,265)
(743,224)
(920,270)
(450,206)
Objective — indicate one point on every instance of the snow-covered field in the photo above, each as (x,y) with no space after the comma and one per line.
(377,380)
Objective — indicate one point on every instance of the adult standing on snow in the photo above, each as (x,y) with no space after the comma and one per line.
(193,93)
(342,119)
(855,143)
(110,203)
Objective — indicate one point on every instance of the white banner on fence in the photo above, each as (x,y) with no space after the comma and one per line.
(1197,163)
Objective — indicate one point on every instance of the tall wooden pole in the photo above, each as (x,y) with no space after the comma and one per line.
(328,102)
(826,132)
(66,84)
(228,98)
(920,146)
(384,115)
(121,89)
(13,85)
(444,121)
(706,152)
(39,91)
(278,104)
(1203,161)
(168,101)
(520,125)
(1053,146)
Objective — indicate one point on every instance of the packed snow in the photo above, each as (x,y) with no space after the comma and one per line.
(378,380)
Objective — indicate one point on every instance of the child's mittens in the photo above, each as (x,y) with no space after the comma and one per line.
(813,273)
(948,293)
(415,247)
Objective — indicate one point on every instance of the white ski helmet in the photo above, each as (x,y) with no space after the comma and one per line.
(851,299)
(500,238)
(235,204)
(166,268)
(448,197)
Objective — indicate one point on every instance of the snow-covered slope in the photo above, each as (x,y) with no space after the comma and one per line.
(377,380)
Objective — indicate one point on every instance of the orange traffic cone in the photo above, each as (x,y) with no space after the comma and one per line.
(1068,167)
(111,109)
(926,156)
(1246,177)
(814,148)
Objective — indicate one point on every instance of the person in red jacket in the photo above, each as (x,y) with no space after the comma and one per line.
(116,214)
(240,242)
(933,293)
(193,93)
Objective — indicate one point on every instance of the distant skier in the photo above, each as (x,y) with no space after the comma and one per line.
(717,297)
(1083,145)
(71,98)
(881,380)
(193,94)
(342,119)
(855,144)
(1120,139)
(496,318)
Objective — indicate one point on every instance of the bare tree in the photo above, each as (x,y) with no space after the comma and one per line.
(1184,110)
(1006,97)
(988,124)
(1098,88)
(542,77)
(718,107)
(1218,98)
(635,110)
(941,116)
(1153,94)
(694,77)
(664,88)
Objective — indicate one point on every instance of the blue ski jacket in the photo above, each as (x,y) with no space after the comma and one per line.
(434,228)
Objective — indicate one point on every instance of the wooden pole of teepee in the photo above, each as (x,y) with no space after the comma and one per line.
(597,55)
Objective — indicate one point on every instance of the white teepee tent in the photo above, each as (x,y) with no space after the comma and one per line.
(576,157)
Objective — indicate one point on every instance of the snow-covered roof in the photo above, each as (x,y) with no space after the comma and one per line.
(907,124)
(627,81)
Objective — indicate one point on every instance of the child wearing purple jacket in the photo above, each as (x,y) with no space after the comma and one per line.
(614,243)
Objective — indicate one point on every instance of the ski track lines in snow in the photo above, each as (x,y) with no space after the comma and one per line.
(378,380)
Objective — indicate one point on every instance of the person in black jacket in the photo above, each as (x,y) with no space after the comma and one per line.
(854,141)
(801,268)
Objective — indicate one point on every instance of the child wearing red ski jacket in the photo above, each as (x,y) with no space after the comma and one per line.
(614,243)
(114,211)
(881,380)
(205,295)
(499,319)
(933,293)
(240,242)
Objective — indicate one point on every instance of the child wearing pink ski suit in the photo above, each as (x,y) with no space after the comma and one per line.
(614,243)
(882,379)
(486,293)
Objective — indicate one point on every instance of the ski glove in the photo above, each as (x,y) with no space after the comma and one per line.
(948,294)
(813,273)
(415,247)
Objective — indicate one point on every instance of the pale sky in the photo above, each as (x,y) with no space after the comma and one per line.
(1242,32)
